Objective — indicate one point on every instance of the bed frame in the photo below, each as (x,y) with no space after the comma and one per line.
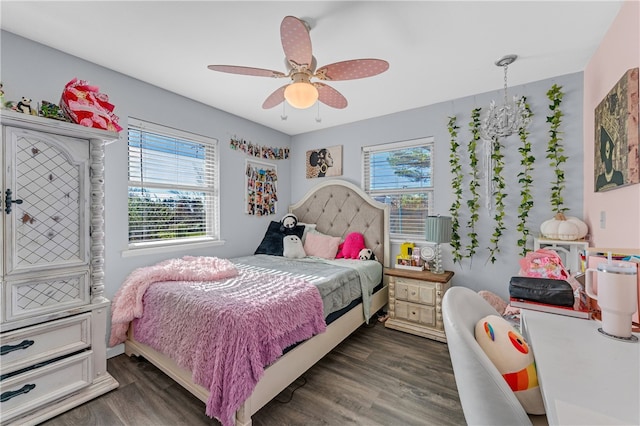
(338,208)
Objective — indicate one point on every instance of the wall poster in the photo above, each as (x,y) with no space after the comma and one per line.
(324,162)
(616,160)
(261,188)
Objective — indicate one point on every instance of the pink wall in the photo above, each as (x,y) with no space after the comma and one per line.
(618,52)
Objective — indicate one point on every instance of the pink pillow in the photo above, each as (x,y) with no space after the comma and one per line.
(321,245)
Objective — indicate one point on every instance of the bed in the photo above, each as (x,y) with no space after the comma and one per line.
(337,208)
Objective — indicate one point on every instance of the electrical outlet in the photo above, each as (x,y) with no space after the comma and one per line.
(603,219)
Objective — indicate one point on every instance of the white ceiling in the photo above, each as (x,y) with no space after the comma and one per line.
(437,50)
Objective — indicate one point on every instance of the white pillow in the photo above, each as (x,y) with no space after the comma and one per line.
(308,227)
(513,358)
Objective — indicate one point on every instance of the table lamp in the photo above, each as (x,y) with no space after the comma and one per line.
(437,229)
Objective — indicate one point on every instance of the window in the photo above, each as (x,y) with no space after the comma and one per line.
(400,174)
(173,186)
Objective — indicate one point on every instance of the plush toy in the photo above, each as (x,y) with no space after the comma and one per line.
(24,106)
(288,223)
(513,358)
(350,248)
(366,254)
(292,247)
(51,110)
(85,105)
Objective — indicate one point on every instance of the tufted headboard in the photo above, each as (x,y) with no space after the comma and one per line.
(338,207)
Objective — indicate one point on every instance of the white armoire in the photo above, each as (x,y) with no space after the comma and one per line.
(53,318)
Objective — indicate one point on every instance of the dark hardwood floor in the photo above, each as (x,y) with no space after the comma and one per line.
(377,376)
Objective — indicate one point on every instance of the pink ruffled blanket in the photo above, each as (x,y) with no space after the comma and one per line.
(127,303)
(227,331)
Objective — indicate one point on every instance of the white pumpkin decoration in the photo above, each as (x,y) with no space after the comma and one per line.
(565,228)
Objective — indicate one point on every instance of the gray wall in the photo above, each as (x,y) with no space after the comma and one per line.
(32,70)
(36,71)
(432,121)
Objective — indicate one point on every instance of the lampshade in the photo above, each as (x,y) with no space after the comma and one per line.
(301,94)
(437,229)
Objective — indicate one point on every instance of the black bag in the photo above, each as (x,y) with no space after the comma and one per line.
(542,290)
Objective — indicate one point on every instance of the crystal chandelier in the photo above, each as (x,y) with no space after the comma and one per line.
(509,118)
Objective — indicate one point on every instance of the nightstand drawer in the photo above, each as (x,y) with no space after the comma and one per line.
(421,314)
(31,345)
(415,291)
(39,386)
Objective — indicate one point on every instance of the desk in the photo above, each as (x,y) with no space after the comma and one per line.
(585,377)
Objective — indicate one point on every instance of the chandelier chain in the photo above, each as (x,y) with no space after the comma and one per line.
(505,83)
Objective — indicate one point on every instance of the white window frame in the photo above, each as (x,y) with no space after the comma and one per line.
(429,190)
(212,208)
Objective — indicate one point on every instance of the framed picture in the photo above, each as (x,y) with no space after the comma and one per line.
(616,160)
(261,181)
(324,162)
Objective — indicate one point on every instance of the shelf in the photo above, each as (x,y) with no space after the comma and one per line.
(623,251)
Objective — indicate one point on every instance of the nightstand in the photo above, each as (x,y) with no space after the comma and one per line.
(415,302)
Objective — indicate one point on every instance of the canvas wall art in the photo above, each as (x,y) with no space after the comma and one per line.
(616,161)
(324,162)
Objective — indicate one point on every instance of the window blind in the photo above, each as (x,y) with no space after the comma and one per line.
(173,180)
(401,175)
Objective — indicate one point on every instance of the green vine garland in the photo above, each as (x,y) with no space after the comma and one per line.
(456,184)
(497,158)
(525,180)
(555,150)
(474,202)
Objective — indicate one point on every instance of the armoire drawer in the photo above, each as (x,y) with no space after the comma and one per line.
(31,345)
(34,388)
(32,296)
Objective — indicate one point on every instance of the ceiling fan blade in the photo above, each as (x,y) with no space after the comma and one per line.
(330,96)
(274,99)
(353,69)
(296,42)
(232,69)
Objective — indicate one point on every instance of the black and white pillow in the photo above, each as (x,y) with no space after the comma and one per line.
(272,240)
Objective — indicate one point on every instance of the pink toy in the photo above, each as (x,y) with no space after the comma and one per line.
(350,249)
(85,105)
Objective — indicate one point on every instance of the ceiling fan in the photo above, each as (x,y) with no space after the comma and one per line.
(301,65)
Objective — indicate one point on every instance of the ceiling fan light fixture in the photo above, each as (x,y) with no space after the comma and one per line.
(301,94)
(300,63)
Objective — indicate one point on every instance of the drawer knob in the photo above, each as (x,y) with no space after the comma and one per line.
(12,394)
(10,348)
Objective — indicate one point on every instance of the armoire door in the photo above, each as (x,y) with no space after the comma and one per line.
(46,202)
